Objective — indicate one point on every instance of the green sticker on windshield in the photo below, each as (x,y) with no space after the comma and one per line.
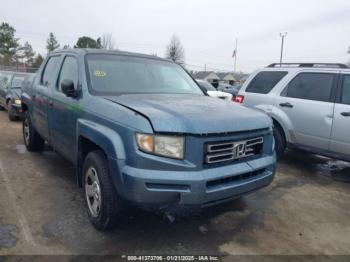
(99,73)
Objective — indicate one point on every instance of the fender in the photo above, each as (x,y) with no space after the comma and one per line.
(279,116)
(282,118)
(106,138)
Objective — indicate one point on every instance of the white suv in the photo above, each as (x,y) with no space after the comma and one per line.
(309,104)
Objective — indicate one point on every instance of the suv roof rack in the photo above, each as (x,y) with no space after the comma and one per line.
(322,65)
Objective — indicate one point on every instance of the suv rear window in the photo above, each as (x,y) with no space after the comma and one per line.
(311,86)
(263,82)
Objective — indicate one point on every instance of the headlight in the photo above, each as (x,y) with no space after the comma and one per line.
(18,101)
(168,146)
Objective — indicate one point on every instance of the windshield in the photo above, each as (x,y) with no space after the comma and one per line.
(17,81)
(117,74)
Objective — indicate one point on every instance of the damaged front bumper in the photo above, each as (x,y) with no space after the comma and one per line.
(206,187)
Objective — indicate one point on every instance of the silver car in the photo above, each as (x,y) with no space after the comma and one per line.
(309,104)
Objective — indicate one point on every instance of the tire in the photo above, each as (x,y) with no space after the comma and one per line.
(280,141)
(31,137)
(11,113)
(99,189)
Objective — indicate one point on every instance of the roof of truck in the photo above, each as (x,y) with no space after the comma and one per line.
(84,51)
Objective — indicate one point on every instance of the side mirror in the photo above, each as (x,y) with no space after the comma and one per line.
(67,87)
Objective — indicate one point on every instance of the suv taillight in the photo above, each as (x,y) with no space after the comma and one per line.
(239,99)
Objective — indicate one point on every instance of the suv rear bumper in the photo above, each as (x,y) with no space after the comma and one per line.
(205,187)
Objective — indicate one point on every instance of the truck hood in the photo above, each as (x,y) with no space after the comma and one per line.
(193,114)
(14,93)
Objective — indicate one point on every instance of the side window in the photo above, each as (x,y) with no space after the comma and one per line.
(311,86)
(49,70)
(69,71)
(263,82)
(345,99)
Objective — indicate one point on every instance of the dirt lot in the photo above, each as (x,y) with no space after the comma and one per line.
(306,210)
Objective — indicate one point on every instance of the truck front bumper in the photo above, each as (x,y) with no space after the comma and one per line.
(205,187)
(17,110)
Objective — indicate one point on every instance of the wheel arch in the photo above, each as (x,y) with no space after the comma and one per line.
(93,136)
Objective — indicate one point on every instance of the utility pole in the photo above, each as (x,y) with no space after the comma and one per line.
(235,55)
(205,67)
(282,35)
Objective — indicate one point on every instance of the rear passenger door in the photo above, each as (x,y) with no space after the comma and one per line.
(340,141)
(258,91)
(42,95)
(308,102)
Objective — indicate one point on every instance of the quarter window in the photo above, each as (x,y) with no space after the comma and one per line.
(69,71)
(311,86)
(263,82)
(346,90)
(49,70)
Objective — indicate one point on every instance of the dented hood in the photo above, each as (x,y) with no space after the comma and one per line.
(194,114)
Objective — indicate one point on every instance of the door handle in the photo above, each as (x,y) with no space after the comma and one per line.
(50,103)
(286,105)
(346,114)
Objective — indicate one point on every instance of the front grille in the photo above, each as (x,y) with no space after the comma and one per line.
(223,151)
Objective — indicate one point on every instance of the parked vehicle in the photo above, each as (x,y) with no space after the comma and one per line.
(140,130)
(10,92)
(228,89)
(211,90)
(309,104)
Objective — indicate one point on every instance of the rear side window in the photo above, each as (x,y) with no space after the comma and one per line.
(311,86)
(346,90)
(49,70)
(263,82)
(69,71)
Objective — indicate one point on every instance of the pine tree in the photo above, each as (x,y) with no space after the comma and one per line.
(51,43)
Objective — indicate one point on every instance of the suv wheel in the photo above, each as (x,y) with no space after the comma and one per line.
(31,137)
(101,198)
(11,113)
(280,142)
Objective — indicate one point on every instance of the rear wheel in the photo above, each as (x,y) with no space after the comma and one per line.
(31,137)
(102,201)
(280,141)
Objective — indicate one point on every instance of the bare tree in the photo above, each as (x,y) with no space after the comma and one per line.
(175,51)
(108,42)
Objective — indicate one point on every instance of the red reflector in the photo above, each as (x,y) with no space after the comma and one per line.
(239,99)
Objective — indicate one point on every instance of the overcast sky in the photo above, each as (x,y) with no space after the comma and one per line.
(318,30)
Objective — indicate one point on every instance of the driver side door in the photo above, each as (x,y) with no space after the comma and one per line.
(64,110)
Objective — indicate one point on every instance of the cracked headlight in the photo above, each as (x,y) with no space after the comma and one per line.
(168,146)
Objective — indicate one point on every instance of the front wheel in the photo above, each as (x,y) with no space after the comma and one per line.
(280,142)
(31,137)
(11,113)
(101,198)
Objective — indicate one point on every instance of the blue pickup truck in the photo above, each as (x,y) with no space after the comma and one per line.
(140,130)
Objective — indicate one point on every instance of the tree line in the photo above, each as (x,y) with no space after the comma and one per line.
(14,54)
